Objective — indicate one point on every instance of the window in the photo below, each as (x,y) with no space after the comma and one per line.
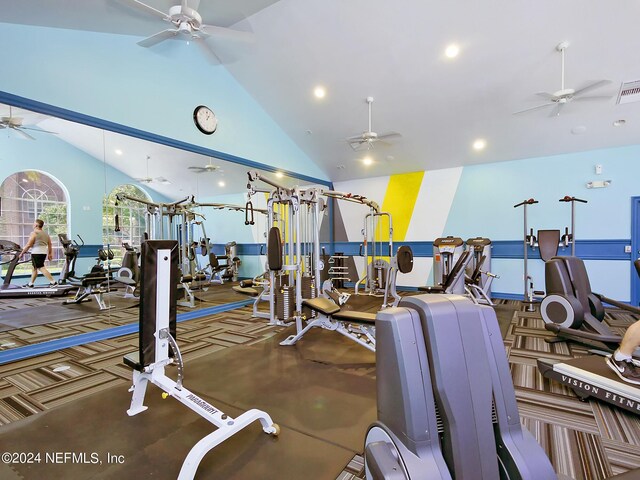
(131,219)
(29,195)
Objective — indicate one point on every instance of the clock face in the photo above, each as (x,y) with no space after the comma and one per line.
(205,120)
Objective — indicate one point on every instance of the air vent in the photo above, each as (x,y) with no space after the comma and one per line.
(629,92)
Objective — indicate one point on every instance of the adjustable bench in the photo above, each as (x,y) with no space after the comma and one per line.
(94,284)
(357,326)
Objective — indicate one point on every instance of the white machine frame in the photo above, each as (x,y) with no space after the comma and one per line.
(155,373)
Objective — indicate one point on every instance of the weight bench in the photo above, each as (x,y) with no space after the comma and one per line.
(93,284)
(157,337)
(357,326)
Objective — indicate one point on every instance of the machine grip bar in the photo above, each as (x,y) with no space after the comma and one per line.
(525,202)
(568,198)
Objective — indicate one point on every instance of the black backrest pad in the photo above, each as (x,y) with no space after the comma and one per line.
(148,294)
(478,270)
(274,249)
(556,277)
(405,259)
(548,241)
(460,264)
(579,279)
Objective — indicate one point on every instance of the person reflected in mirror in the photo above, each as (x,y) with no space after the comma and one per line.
(41,250)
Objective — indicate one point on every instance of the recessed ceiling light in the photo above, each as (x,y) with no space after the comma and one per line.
(452,51)
(619,123)
(479,144)
(367,161)
(118,151)
(221,183)
(279,174)
(319,92)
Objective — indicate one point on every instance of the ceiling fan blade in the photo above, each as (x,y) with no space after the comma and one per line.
(149,9)
(158,37)
(197,169)
(593,86)
(534,108)
(593,97)
(388,135)
(22,134)
(546,95)
(38,130)
(556,111)
(356,138)
(194,4)
(227,33)
(360,145)
(207,50)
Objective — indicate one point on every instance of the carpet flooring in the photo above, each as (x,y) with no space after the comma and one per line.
(321,391)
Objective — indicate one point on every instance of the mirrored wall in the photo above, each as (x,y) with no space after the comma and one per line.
(68,174)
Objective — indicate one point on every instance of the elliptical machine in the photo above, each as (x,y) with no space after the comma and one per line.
(71,249)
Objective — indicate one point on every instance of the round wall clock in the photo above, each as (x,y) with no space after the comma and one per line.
(205,120)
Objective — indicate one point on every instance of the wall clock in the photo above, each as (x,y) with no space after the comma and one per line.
(205,120)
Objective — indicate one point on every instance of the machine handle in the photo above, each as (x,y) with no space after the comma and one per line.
(360,253)
(117,227)
(526,202)
(568,198)
(248,214)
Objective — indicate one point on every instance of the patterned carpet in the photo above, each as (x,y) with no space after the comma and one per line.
(584,440)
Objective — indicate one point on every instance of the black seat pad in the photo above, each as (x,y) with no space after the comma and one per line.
(322,305)
(354,316)
(432,289)
(88,281)
(252,292)
(133,360)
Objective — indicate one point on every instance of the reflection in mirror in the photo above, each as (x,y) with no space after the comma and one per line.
(71,175)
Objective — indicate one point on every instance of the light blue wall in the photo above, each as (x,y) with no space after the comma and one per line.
(111,78)
(86,179)
(483,206)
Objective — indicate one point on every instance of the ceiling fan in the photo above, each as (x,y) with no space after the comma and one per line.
(368,138)
(187,21)
(16,124)
(147,180)
(208,168)
(565,95)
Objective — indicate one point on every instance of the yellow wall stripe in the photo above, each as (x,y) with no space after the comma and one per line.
(400,201)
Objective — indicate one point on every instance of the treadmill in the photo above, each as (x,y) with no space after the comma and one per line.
(8,290)
(591,377)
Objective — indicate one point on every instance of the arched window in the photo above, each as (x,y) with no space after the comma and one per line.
(131,220)
(29,195)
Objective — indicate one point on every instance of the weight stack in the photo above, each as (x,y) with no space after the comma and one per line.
(308,292)
(285,302)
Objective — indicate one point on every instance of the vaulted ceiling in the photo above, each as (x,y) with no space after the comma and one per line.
(395,53)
